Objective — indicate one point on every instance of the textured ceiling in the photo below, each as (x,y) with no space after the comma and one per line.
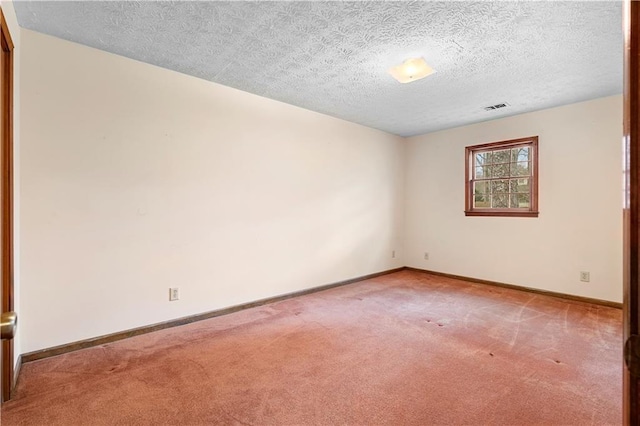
(333,57)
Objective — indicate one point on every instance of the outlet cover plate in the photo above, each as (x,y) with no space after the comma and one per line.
(174,294)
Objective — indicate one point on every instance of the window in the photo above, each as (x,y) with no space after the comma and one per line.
(502,178)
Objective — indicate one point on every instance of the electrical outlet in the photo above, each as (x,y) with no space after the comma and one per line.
(426,256)
(585,276)
(393,254)
(174,294)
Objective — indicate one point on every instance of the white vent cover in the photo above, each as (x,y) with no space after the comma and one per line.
(496,106)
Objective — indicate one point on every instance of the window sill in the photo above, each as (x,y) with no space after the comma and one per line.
(501,213)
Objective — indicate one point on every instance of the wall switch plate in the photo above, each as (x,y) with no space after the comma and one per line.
(585,276)
(174,294)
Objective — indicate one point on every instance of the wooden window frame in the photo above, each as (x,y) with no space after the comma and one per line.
(470,151)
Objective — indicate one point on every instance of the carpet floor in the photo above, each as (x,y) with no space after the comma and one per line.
(406,348)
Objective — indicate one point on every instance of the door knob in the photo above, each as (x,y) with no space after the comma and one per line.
(8,324)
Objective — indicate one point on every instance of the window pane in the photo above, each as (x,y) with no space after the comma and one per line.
(520,169)
(482,172)
(481,197)
(519,185)
(520,154)
(513,201)
(519,201)
(499,186)
(481,201)
(481,188)
(501,156)
(524,200)
(483,158)
(500,170)
(500,201)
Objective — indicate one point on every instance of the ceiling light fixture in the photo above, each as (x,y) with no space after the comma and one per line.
(411,70)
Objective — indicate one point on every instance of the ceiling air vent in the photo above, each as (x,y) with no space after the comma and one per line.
(496,106)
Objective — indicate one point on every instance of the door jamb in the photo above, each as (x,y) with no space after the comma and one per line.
(6,203)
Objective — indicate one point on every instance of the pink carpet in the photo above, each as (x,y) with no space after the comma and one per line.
(402,349)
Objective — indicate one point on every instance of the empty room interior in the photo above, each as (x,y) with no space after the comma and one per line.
(315,213)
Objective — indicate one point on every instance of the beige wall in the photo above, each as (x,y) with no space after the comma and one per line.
(136,179)
(14,29)
(580,223)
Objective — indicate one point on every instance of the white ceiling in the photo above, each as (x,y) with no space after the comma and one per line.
(332,57)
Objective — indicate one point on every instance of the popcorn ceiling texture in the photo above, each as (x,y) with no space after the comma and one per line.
(333,57)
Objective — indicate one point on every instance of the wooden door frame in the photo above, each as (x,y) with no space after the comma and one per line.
(631,213)
(6,201)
